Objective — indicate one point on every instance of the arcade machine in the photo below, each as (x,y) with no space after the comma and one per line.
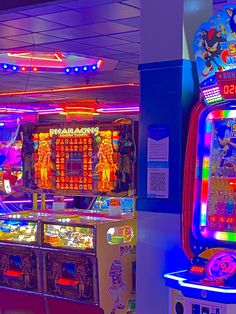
(11,187)
(85,258)
(208,286)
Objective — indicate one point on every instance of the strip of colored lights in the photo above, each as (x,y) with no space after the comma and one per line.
(69,89)
(218,235)
(118,109)
(212,95)
(89,113)
(68,70)
(39,201)
(28,55)
(182,282)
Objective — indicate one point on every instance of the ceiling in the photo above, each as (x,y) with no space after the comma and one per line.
(107,29)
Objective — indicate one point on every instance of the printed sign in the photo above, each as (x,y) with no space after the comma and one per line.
(158,162)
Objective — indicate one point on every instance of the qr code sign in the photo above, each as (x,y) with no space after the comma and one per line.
(158,182)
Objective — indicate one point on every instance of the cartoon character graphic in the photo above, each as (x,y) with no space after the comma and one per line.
(106,165)
(27,270)
(126,149)
(232,21)
(211,41)
(44,163)
(118,285)
(227,158)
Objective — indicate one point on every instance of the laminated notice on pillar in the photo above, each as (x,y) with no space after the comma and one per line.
(158,161)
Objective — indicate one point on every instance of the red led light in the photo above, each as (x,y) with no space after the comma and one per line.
(35,69)
(197,269)
(23,69)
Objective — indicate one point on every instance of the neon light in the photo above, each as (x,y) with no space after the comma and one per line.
(207,288)
(212,94)
(174,277)
(99,64)
(118,109)
(76,132)
(39,201)
(69,89)
(33,56)
(182,282)
(90,113)
(79,108)
(203,214)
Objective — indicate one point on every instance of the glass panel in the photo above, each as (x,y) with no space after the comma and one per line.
(118,235)
(81,238)
(18,231)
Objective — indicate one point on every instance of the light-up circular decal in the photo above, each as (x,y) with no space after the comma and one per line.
(222,265)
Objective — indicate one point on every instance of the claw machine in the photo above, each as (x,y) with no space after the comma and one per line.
(208,286)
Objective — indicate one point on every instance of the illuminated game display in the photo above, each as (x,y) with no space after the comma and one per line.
(87,159)
(71,257)
(209,199)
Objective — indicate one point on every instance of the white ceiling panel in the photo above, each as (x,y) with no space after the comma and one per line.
(108,28)
(33,24)
(129,36)
(11,16)
(36,38)
(10,31)
(67,46)
(99,28)
(133,48)
(86,3)
(132,21)
(70,33)
(133,3)
(6,44)
(71,18)
(103,41)
(43,10)
(114,11)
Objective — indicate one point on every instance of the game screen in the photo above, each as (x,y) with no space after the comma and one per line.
(218,197)
(86,159)
(81,238)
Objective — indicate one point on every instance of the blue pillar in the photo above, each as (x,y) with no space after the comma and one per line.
(168,92)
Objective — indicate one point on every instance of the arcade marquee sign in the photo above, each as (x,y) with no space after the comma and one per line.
(74,131)
(215,53)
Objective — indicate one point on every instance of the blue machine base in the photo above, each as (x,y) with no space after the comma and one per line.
(194,289)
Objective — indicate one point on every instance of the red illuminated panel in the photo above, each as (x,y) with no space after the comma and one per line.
(42,161)
(199,270)
(67,282)
(229,90)
(74,159)
(13,273)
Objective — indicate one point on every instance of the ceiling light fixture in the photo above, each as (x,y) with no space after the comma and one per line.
(69,89)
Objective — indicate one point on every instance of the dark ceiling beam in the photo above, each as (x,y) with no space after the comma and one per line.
(11,4)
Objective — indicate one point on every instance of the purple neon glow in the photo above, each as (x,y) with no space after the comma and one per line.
(118,109)
(39,201)
(26,110)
